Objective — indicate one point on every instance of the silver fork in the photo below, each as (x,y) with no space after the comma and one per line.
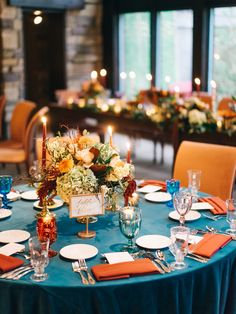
(15,272)
(215,218)
(83,266)
(77,269)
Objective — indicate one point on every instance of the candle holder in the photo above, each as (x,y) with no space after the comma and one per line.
(46,227)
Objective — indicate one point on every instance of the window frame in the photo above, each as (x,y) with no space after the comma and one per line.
(201,33)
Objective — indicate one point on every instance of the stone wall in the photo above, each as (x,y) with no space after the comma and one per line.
(83,48)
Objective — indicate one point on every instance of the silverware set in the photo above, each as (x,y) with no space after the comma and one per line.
(212,217)
(17,273)
(80,266)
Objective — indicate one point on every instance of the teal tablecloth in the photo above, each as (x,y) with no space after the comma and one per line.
(201,288)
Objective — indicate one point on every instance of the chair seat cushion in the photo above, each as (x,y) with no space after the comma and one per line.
(10,144)
(8,155)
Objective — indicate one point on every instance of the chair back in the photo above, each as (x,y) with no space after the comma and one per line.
(225,102)
(30,133)
(19,120)
(2,107)
(217,163)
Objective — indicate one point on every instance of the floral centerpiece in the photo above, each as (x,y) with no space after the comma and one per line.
(195,116)
(80,164)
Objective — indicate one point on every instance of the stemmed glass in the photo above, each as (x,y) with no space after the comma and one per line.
(194,181)
(35,172)
(130,223)
(179,245)
(5,188)
(231,217)
(172,186)
(39,258)
(182,204)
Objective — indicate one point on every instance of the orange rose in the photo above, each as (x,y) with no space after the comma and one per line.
(66,165)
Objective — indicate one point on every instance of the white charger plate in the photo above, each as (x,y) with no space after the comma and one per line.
(4,213)
(30,195)
(16,236)
(153,241)
(158,197)
(190,216)
(57,204)
(77,251)
(149,188)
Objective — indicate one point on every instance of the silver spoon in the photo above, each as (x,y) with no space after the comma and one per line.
(161,256)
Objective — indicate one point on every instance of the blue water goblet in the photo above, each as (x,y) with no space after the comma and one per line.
(5,188)
(172,186)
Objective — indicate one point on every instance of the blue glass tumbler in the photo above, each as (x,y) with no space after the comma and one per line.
(5,188)
(172,186)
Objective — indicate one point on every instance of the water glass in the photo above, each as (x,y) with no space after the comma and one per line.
(5,188)
(179,245)
(194,181)
(130,223)
(39,258)
(231,216)
(172,186)
(182,204)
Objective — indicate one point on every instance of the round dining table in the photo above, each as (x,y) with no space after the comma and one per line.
(200,288)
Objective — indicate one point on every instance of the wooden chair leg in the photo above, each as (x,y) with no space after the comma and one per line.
(154,152)
(18,168)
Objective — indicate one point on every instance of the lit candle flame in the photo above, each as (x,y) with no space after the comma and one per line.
(213,84)
(103,72)
(44,120)
(197,81)
(149,76)
(94,75)
(123,75)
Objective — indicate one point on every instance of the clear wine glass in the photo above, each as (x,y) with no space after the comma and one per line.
(5,188)
(182,204)
(130,224)
(35,172)
(179,245)
(39,258)
(194,182)
(231,217)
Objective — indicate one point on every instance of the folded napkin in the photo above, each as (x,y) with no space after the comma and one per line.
(8,263)
(162,184)
(219,206)
(210,244)
(124,270)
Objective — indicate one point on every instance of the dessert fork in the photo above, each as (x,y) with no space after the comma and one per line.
(83,266)
(77,269)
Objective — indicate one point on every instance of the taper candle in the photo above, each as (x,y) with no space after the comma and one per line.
(197,81)
(109,130)
(44,121)
(128,156)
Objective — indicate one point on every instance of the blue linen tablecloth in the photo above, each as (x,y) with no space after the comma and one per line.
(201,288)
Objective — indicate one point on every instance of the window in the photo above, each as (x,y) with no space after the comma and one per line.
(134,53)
(174,49)
(222,55)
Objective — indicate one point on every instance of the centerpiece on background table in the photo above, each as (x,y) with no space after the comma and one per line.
(80,164)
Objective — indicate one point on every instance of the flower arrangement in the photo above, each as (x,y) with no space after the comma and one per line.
(92,89)
(194,116)
(81,164)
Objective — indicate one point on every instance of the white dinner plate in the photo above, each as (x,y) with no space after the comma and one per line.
(13,196)
(190,216)
(158,197)
(16,236)
(149,188)
(77,251)
(57,204)
(153,241)
(30,195)
(4,213)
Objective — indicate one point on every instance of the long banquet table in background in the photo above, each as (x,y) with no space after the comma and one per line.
(201,288)
(78,118)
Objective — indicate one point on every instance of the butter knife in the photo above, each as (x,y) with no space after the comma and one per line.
(161,271)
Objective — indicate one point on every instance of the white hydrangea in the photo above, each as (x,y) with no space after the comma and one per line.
(197,117)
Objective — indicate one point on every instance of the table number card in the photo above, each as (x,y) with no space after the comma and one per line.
(86,205)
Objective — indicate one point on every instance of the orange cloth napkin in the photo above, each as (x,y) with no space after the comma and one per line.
(8,263)
(210,244)
(218,204)
(124,270)
(154,182)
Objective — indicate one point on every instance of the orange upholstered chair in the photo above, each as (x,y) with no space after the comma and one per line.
(19,120)
(217,163)
(2,107)
(20,155)
(225,102)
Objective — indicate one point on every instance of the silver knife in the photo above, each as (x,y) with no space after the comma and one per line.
(161,271)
